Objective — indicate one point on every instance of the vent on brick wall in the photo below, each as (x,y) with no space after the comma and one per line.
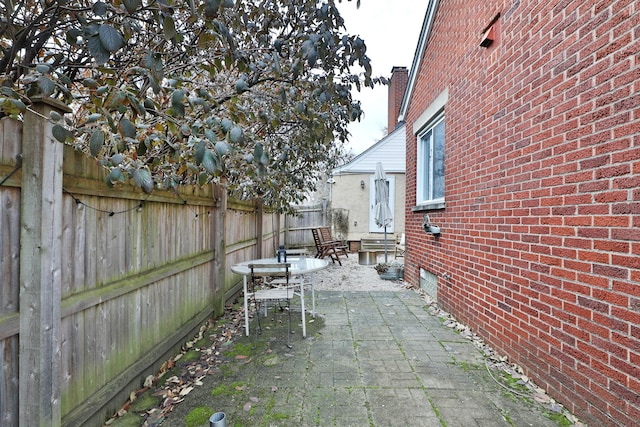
(489,33)
(429,283)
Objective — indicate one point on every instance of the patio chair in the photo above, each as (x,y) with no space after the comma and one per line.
(341,247)
(401,246)
(325,248)
(280,292)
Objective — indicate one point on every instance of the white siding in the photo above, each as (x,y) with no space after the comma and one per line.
(390,150)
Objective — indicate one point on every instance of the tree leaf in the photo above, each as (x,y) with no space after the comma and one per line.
(46,85)
(210,162)
(200,150)
(142,178)
(211,8)
(169,27)
(97,50)
(99,8)
(131,5)
(127,129)
(236,135)
(96,142)
(110,38)
(59,133)
(258,151)
(222,148)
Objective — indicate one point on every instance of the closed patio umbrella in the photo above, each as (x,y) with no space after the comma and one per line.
(383,215)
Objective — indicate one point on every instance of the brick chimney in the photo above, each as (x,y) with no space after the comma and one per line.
(397,85)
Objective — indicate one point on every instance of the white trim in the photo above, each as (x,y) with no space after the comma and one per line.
(432,110)
(427,24)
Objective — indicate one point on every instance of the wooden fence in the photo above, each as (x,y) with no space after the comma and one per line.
(99,286)
(298,227)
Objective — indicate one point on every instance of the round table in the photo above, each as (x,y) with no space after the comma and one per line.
(299,267)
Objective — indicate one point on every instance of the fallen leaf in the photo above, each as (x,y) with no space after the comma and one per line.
(254,399)
(274,389)
(247,407)
(541,398)
(148,382)
(186,391)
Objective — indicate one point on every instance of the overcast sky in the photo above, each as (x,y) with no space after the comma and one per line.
(390,29)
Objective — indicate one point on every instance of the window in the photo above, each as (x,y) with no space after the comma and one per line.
(430,165)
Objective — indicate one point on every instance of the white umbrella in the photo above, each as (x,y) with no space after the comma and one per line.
(383,214)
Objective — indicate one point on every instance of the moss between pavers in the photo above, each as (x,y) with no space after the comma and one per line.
(198,416)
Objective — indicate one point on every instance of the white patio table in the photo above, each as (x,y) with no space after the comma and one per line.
(300,266)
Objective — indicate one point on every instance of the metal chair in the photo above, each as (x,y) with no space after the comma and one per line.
(261,292)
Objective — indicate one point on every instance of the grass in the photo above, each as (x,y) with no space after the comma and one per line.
(228,389)
(198,416)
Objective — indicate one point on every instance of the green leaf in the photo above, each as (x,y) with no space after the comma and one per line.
(236,135)
(99,8)
(93,117)
(115,176)
(96,142)
(59,133)
(169,27)
(210,162)
(199,152)
(110,38)
(127,129)
(222,148)
(226,125)
(88,82)
(42,68)
(211,8)
(241,86)
(142,178)
(46,85)
(176,98)
(117,158)
(131,5)
(55,116)
(258,151)
(97,50)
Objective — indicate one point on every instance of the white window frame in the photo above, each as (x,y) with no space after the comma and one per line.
(425,184)
(427,121)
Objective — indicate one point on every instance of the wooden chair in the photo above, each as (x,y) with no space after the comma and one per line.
(261,293)
(401,246)
(341,247)
(325,249)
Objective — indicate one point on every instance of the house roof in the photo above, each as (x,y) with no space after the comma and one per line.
(427,24)
(390,150)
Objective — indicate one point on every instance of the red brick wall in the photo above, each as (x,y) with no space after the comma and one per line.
(541,230)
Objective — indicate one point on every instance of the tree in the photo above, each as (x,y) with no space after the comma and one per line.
(255,94)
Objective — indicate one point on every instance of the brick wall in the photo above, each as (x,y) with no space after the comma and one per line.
(397,86)
(541,230)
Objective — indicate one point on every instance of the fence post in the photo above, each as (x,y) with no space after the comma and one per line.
(218,240)
(259,229)
(40,268)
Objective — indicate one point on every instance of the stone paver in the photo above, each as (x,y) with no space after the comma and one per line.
(371,359)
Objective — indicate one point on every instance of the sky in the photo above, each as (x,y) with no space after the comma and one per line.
(390,30)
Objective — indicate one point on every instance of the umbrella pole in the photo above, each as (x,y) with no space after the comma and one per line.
(385,244)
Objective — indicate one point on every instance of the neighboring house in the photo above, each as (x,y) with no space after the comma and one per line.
(353,189)
(523,146)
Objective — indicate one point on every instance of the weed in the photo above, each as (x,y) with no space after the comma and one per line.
(198,416)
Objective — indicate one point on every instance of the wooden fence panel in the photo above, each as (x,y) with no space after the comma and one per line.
(10,148)
(298,227)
